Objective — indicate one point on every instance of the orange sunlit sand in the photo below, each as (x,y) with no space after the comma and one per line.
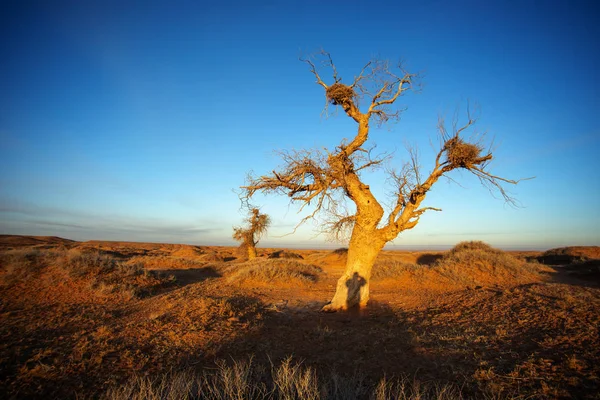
(94,318)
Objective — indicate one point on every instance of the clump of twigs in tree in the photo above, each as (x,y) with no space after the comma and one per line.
(339,94)
(461,154)
(249,235)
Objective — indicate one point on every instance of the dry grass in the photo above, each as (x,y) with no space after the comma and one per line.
(477,263)
(342,251)
(288,381)
(281,271)
(21,264)
(167,262)
(393,270)
(469,264)
(285,254)
(101,272)
(66,332)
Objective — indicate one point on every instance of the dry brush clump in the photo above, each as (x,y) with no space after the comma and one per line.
(285,254)
(166,262)
(280,271)
(287,381)
(114,276)
(101,272)
(393,270)
(23,264)
(478,263)
(472,263)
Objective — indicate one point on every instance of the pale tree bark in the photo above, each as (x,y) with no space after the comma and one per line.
(325,179)
(252,252)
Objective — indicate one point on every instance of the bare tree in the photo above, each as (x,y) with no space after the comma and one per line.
(325,179)
(249,235)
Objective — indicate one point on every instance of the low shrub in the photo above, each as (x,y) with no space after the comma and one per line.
(22,264)
(285,254)
(479,263)
(99,271)
(275,270)
(392,269)
(167,262)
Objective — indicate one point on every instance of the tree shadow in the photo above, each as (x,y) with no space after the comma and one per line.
(184,277)
(372,342)
(428,258)
(585,274)
(353,299)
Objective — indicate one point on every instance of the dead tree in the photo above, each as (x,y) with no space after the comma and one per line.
(325,179)
(249,235)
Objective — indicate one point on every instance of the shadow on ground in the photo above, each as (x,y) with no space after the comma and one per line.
(186,277)
(368,344)
(428,258)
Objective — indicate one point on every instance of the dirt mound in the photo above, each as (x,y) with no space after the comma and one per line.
(280,271)
(187,251)
(468,264)
(213,256)
(338,256)
(568,255)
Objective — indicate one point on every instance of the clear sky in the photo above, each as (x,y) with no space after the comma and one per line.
(138,120)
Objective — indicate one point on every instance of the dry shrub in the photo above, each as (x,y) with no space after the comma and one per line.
(462,154)
(342,251)
(467,264)
(213,257)
(478,263)
(106,275)
(392,269)
(21,264)
(283,271)
(285,254)
(165,262)
(473,245)
(340,94)
(288,381)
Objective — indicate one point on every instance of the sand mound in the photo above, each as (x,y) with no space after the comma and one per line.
(469,264)
(284,272)
(338,256)
(187,251)
(213,256)
(568,255)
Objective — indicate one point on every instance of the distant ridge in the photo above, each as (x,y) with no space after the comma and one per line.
(9,241)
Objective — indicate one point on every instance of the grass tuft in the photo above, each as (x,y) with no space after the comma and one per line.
(275,270)
(288,381)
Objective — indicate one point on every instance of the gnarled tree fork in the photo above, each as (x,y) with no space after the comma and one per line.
(325,179)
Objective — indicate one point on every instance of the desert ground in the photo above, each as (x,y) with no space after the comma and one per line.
(142,320)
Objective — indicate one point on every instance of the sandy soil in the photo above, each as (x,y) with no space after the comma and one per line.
(62,336)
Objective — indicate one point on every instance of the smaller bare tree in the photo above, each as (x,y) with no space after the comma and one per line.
(249,235)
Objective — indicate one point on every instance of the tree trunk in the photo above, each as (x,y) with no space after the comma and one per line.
(353,287)
(251,252)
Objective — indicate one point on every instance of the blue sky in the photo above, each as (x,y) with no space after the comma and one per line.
(138,120)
